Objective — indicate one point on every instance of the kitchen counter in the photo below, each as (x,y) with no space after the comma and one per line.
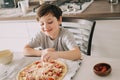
(99,9)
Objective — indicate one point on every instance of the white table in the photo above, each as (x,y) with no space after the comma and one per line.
(86,70)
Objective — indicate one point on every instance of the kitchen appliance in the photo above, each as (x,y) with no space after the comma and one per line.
(7,3)
(114,1)
(23,5)
(68,3)
(44,1)
(71,6)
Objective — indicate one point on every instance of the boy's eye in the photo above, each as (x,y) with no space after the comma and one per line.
(50,22)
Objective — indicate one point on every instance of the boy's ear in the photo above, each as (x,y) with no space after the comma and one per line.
(60,20)
(37,18)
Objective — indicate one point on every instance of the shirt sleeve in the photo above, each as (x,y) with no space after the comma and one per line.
(36,41)
(69,40)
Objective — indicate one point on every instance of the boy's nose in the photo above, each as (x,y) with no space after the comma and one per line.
(46,26)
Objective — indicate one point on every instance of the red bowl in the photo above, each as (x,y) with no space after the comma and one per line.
(102,69)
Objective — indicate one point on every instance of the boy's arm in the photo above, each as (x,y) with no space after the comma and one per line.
(28,51)
(73,54)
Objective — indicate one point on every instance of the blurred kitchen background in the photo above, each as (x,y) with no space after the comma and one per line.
(13,3)
(18,23)
(9,8)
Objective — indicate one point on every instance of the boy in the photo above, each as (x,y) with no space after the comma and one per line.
(55,41)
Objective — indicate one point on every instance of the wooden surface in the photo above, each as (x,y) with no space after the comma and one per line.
(99,9)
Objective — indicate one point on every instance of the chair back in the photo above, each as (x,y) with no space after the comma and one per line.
(82,30)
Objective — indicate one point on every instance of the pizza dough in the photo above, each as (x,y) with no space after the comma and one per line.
(38,70)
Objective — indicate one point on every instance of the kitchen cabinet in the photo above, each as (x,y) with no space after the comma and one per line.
(15,34)
(32,28)
(12,35)
(13,29)
(106,39)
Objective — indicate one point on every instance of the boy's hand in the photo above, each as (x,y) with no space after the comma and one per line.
(49,54)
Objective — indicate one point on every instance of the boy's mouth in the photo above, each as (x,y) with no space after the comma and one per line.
(48,30)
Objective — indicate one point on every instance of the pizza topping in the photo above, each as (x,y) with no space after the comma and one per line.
(50,79)
(50,71)
(37,62)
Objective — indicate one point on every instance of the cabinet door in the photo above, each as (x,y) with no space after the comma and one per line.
(106,39)
(13,35)
(13,29)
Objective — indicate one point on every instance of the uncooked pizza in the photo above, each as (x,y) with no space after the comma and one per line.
(38,70)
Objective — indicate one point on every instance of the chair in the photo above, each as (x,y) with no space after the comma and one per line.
(82,30)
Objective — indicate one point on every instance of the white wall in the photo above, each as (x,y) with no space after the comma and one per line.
(15,34)
(106,39)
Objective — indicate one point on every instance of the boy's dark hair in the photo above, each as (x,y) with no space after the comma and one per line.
(45,9)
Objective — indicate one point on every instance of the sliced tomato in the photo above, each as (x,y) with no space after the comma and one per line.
(50,70)
(39,66)
(58,74)
(52,62)
(50,79)
(103,69)
(57,66)
(37,62)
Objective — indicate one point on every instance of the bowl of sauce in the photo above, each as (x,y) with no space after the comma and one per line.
(102,69)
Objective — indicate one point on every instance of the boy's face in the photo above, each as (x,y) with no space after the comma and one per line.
(50,25)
